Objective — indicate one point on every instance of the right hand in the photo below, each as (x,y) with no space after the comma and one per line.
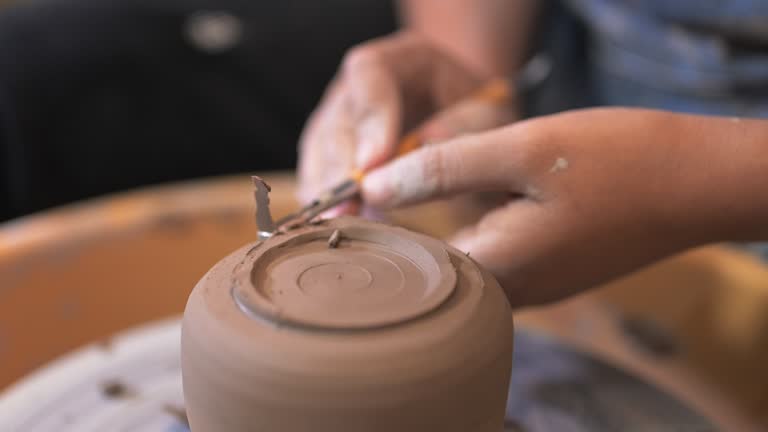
(383,89)
(591,194)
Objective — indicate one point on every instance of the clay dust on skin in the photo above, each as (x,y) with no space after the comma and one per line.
(409,181)
(561,164)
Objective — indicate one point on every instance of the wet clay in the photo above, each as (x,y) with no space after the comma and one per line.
(373,279)
(347,325)
(334,240)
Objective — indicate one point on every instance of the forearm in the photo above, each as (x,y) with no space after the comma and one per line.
(489,36)
(723,178)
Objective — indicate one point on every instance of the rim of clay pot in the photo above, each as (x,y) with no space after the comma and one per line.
(376,275)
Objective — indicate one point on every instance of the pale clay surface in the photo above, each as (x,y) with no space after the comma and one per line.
(390,331)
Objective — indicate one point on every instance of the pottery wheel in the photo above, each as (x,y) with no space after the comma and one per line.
(134,384)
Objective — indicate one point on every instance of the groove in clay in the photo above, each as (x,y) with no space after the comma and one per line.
(389,331)
(379,276)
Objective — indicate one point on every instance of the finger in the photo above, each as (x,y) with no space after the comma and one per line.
(373,214)
(480,162)
(310,164)
(394,79)
(351,207)
(466,117)
(511,242)
(374,106)
(424,68)
(327,146)
(409,57)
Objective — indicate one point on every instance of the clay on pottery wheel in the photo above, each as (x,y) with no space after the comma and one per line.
(382,330)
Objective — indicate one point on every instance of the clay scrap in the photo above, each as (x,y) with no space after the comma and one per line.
(334,240)
(264,221)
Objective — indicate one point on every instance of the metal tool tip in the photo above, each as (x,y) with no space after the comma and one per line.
(258,181)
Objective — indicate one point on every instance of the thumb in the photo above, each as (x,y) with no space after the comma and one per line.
(513,242)
(375,111)
(480,162)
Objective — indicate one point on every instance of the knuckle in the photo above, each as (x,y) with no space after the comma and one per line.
(359,57)
(366,79)
(533,145)
(437,171)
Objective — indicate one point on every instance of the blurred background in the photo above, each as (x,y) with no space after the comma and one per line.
(98,96)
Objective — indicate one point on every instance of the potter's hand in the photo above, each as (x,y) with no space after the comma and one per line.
(593,194)
(383,89)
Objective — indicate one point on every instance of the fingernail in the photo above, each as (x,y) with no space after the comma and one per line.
(399,182)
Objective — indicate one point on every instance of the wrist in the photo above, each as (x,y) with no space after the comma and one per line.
(722,178)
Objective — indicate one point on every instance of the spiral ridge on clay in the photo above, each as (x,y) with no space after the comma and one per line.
(367,278)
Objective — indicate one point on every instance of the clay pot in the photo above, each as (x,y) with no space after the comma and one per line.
(389,330)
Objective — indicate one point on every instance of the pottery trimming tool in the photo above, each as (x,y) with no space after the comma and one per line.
(498,91)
